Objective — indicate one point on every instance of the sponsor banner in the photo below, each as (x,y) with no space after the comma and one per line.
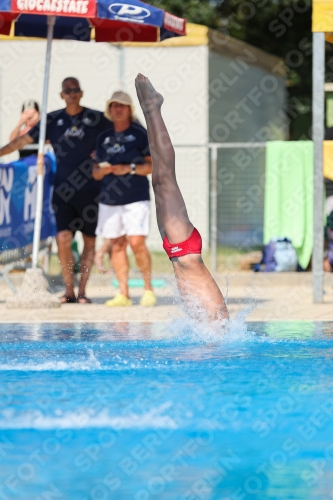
(174,23)
(18,192)
(71,8)
(131,11)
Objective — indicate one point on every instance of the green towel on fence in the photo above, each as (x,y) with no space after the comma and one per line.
(289,195)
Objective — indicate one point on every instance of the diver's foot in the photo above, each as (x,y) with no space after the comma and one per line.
(150,100)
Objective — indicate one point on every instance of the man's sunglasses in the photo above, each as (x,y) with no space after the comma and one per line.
(74,90)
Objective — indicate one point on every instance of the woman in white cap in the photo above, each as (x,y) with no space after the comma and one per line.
(123,162)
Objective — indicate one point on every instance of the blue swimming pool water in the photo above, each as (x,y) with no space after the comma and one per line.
(141,411)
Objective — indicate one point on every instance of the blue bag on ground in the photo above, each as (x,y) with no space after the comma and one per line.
(278,255)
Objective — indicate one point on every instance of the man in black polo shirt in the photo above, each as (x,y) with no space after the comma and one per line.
(72,132)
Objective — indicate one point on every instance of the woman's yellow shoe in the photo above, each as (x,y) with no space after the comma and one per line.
(119,300)
(148,298)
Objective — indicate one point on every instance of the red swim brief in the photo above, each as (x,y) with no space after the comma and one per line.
(192,245)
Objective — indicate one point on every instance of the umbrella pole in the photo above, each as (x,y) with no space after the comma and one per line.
(213,211)
(41,144)
(33,292)
(318,109)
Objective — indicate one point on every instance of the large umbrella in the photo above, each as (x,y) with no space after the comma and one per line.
(125,21)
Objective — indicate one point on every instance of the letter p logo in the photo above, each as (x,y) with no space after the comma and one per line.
(131,11)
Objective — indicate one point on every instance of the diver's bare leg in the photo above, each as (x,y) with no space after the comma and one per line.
(171,212)
(196,284)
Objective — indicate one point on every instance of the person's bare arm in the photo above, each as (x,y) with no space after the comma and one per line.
(15,133)
(99,173)
(16,144)
(146,168)
(143,169)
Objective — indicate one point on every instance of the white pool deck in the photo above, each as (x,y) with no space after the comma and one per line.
(269,297)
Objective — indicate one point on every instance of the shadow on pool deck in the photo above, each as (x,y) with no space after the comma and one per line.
(162,300)
(263,297)
(166,300)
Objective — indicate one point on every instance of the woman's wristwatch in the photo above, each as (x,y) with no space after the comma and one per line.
(133,167)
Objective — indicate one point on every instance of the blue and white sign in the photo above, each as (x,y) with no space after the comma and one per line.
(132,11)
(128,12)
(18,193)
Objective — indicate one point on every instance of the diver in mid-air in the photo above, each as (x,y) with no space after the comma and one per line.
(181,241)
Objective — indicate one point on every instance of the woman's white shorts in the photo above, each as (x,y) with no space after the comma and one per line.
(115,221)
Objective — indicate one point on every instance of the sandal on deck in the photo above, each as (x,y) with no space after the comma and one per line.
(83,300)
(68,300)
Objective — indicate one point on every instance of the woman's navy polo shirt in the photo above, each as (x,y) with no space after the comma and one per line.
(129,146)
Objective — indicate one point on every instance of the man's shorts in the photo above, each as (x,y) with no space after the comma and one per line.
(132,219)
(80,213)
